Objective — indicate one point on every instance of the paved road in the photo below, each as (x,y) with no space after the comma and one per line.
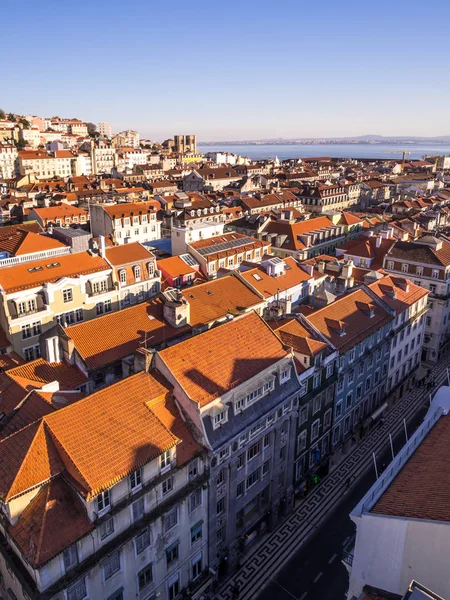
(266,560)
(316,572)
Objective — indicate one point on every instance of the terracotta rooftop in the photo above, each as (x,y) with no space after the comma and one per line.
(268,286)
(421,490)
(112,337)
(215,299)
(36,273)
(81,440)
(127,254)
(36,373)
(60,212)
(295,335)
(420,253)
(26,242)
(406,293)
(214,362)
(126,209)
(52,521)
(344,316)
(175,266)
(10,360)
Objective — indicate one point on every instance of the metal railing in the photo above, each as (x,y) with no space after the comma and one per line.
(25,258)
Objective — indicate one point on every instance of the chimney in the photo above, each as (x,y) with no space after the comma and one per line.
(308,268)
(143,359)
(101,246)
(378,241)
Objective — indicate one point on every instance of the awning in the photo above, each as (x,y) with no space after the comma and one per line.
(379,411)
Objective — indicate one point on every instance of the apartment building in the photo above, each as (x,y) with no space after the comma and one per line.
(402,521)
(63,289)
(61,215)
(324,198)
(79,524)
(104,129)
(8,161)
(126,139)
(44,165)
(227,252)
(316,368)
(125,222)
(209,179)
(358,325)
(426,262)
(409,301)
(304,239)
(134,270)
(236,385)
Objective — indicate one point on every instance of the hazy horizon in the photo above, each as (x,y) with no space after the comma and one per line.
(241,72)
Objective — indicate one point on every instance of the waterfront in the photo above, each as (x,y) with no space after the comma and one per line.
(285,151)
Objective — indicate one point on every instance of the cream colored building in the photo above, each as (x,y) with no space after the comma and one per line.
(37,295)
(132,527)
(125,222)
(8,161)
(45,165)
(32,137)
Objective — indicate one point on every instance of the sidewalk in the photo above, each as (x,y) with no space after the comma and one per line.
(271,554)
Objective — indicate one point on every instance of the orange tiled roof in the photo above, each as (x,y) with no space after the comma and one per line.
(269,286)
(112,337)
(60,211)
(37,372)
(220,359)
(422,488)
(20,277)
(128,253)
(81,440)
(295,335)
(404,298)
(10,360)
(129,208)
(52,521)
(344,315)
(215,299)
(26,242)
(175,266)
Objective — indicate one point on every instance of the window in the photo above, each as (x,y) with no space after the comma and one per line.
(77,591)
(70,556)
(301,440)
(253,478)
(315,430)
(26,331)
(174,586)
(316,381)
(360,369)
(111,565)
(145,577)
(171,519)
(348,400)
(137,509)
(99,308)
(193,470)
(359,391)
(253,451)
(351,355)
(329,370)
(220,508)
(196,566)
(404,268)
(224,453)
(435,274)
(338,409)
(172,553)
(195,500)
(316,404)
(165,460)
(340,385)
(79,314)
(327,418)
(123,276)
(167,486)
(106,528)
(107,306)
(241,460)
(303,414)
(347,422)
(67,295)
(136,480)
(197,532)
(142,540)
(285,375)
(267,440)
(137,273)
(240,489)
(419,270)
(103,501)
(219,418)
(432,288)
(351,376)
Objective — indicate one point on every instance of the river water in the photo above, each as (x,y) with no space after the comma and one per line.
(285,151)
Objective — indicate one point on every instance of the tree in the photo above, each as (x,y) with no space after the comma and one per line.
(26,124)
(2,114)
(20,144)
(11,118)
(91,127)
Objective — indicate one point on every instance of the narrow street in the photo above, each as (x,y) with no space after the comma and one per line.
(316,571)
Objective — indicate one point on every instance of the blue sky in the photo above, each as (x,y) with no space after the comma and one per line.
(232,70)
